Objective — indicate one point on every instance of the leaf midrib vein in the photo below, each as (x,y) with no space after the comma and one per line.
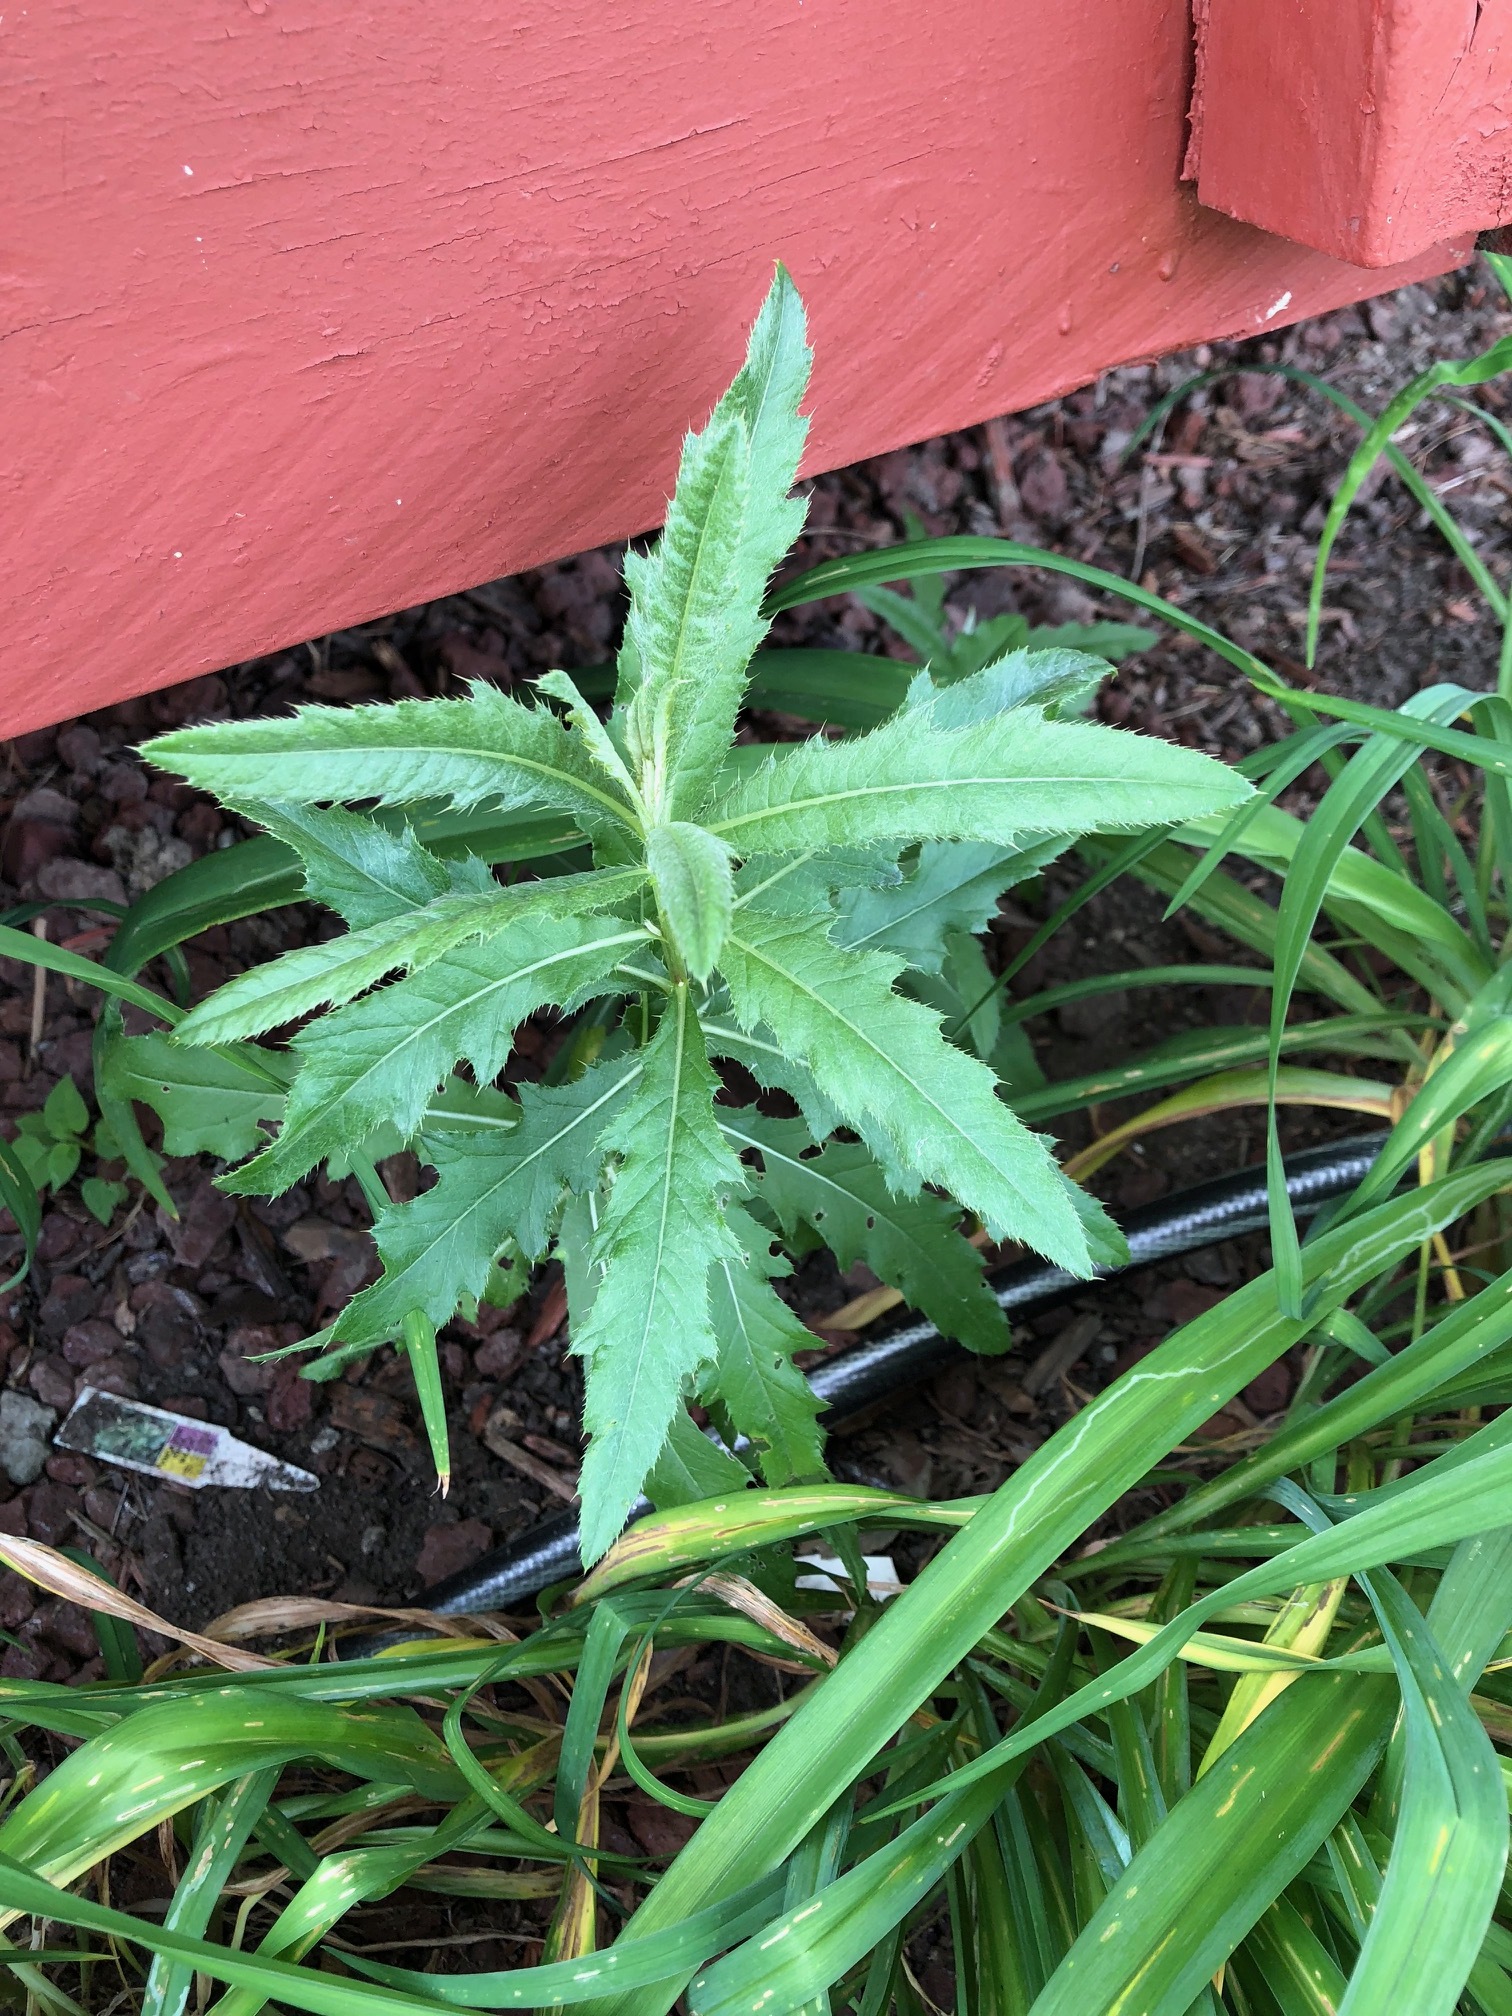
(817,801)
(472,754)
(482,993)
(876,1049)
(517,1169)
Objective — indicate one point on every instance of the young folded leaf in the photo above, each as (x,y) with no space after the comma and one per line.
(695,601)
(690,872)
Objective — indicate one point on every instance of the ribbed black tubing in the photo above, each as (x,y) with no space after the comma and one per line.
(857,1379)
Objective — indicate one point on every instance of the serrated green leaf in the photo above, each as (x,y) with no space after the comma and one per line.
(767,1397)
(361,870)
(966,995)
(691,1468)
(769,1064)
(954,885)
(338,969)
(913,1243)
(596,737)
(766,392)
(695,600)
(380,1060)
(1022,678)
(690,871)
(211,1102)
(661,1231)
(693,623)
(485,749)
(997,780)
(64,1110)
(884,1064)
(505,1183)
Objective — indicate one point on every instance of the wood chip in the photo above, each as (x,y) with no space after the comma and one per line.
(494,1438)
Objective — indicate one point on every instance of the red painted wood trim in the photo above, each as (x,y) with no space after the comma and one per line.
(310,312)
(1368,129)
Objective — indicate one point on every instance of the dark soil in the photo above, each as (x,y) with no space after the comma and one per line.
(1221,515)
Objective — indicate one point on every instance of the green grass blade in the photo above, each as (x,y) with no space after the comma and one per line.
(918,559)
(1473,371)
(157,1762)
(1227,1850)
(1451,1838)
(223,1832)
(1470,1332)
(1024,1527)
(30,951)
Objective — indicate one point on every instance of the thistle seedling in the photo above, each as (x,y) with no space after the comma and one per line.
(752,906)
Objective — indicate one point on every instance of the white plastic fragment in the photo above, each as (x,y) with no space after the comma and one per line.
(159,1444)
(881,1574)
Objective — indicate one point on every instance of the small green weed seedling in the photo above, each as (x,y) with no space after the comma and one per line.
(50,1145)
(747,906)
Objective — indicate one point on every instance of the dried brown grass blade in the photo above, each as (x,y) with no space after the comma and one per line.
(272,1616)
(745,1597)
(59,1576)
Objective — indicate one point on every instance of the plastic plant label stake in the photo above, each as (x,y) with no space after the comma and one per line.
(160,1444)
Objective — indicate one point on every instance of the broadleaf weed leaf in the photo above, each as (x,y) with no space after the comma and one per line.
(662,1230)
(505,1184)
(774,909)
(331,974)
(894,1078)
(1015,774)
(767,1397)
(913,1242)
(381,1059)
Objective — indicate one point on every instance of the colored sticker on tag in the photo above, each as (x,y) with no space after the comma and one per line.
(187,1450)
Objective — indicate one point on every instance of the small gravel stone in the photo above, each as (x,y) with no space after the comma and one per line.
(26,1427)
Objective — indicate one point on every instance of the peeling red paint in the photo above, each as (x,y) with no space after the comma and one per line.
(310,313)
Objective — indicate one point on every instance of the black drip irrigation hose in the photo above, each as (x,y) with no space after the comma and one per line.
(857,1379)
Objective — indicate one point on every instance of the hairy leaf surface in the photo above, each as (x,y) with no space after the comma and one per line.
(694,622)
(885,1065)
(486,749)
(382,1058)
(338,970)
(768,1398)
(998,780)
(211,1102)
(690,872)
(914,1244)
(361,870)
(953,886)
(662,1229)
(695,599)
(439,1247)
(691,1467)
